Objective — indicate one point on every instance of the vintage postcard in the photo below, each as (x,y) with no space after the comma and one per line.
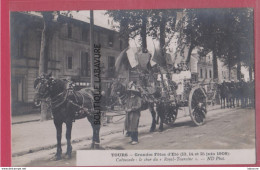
(133,87)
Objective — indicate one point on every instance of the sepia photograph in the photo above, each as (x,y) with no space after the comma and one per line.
(133,87)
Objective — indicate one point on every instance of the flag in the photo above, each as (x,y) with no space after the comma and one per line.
(158,57)
(169,59)
(143,60)
(122,64)
(132,56)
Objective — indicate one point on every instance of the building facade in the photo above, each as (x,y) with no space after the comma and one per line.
(68,53)
(201,67)
(224,74)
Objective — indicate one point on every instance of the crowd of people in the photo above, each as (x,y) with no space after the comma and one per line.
(234,94)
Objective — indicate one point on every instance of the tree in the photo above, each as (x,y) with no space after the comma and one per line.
(48,30)
(132,23)
(46,36)
(220,31)
(205,28)
(162,26)
(156,23)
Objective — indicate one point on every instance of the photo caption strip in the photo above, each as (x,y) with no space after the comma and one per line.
(164,157)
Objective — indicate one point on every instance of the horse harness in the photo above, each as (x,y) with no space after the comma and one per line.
(66,96)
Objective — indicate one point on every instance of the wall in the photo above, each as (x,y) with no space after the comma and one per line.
(25,58)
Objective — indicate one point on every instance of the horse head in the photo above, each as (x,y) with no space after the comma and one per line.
(43,86)
(117,89)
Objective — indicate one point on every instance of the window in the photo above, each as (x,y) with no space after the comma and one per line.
(85,34)
(69,62)
(85,64)
(111,66)
(69,31)
(210,74)
(206,73)
(201,73)
(110,40)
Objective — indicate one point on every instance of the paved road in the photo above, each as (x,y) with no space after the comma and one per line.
(225,129)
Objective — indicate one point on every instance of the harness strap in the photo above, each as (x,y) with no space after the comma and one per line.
(55,102)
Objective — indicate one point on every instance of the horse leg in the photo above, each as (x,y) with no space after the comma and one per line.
(96,139)
(153,113)
(95,128)
(68,137)
(161,114)
(161,122)
(58,126)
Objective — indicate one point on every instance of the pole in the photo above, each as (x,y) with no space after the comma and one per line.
(91,49)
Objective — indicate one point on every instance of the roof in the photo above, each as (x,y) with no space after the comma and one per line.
(97,22)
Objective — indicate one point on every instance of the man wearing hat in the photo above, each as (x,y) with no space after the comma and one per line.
(133,107)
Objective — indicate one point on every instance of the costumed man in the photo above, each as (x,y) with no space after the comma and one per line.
(132,108)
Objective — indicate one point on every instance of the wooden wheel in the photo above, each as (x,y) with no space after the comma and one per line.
(198,105)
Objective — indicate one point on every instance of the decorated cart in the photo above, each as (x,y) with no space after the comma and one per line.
(168,87)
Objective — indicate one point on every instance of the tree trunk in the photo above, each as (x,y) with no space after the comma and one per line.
(124,36)
(43,57)
(162,39)
(215,65)
(43,65)
(46,110)
(124,32)
(239,71)
(162,32)
(143,33)
(189,53)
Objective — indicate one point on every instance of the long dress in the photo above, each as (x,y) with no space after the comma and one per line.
(132,117)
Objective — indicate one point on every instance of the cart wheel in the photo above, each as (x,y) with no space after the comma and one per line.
(198,106)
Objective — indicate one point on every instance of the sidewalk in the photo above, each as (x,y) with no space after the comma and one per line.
(26,118)
(30,135)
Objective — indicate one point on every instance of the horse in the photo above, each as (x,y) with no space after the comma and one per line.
(248,93)
(67,105)
(233,92)
(251,93)
(225,95)
(119,94)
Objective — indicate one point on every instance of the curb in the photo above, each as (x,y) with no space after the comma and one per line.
(26,121)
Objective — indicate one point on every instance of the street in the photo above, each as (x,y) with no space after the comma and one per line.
(224,129)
